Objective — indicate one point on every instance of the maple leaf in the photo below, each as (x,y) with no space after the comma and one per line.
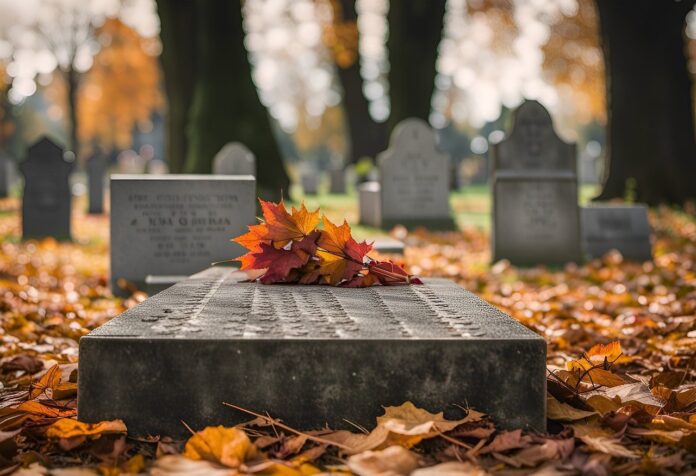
(280,262)
(69,428)
(283,227)
(340,256)
(390,274)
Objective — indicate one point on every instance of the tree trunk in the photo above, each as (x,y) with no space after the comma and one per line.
(650,129)
(72,80)
(226,105)
(178,60)
(367,137)
(415,29)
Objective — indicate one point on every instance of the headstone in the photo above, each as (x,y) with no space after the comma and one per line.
(96,174)
(309,355)
(414,179)
(589,172)
(234,159)
(175,225)
(387,245)
(47,201)
(4,175)
(130,163)
(337,181)
(535,193)
(369,208)
(621,227)
(310,183)
(157,167)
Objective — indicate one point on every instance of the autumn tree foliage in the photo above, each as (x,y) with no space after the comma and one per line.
(121,90)
(289,248)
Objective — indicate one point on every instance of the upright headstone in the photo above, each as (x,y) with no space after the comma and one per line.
(369,208)
(313,355)
(47,203)
(535,193)
(337,181)
(234,159)
(157,167)
(4,175)
(616,227)
(96,174)
(165,227)
(310,182)
(414,177)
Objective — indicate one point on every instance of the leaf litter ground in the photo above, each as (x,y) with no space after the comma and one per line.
(621,371)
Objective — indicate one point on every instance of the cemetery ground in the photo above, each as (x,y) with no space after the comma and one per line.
(611,410)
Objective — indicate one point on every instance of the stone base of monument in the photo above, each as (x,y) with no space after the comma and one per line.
(310,355)
(436,224)
(387,245)
(624,228)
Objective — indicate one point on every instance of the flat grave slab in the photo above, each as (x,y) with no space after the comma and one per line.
(310,355)
(621,227)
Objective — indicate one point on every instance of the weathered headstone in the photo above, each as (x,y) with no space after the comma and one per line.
(337,181)
(369,208)
(96,173)
(535,193)
(171,226)
(47,201)
(4,175)
(621,227)
(310,355)
(414,178)
(157,167)
(234,159)
(387,245)
(310,183)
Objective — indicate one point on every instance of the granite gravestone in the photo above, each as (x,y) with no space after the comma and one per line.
(621,227)
(414,179)
(47,202)
(4,175)
(167,227)
(96,171)
(310,355)
(234,159)
(337,181)
(535,193)
(369,208)
(310,183)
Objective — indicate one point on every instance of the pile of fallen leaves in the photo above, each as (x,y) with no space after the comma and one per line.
(289,248)
(621,371)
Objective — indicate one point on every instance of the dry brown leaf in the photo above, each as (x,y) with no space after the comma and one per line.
(178,465)
(227,446)
(392,461)
(453,468)
(69,428)
(556,410)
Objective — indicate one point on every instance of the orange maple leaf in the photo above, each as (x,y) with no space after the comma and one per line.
(340,256)
(283,227)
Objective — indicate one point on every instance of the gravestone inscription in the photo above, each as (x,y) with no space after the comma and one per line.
(234,159)
(96,171)
(175,225)
(47,201)
(415,180)
(311,355)
(621,227)
(535,193)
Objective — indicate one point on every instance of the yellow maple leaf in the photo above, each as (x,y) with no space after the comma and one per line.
(228,446)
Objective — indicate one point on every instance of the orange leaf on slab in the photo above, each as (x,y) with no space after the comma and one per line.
(284,227)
